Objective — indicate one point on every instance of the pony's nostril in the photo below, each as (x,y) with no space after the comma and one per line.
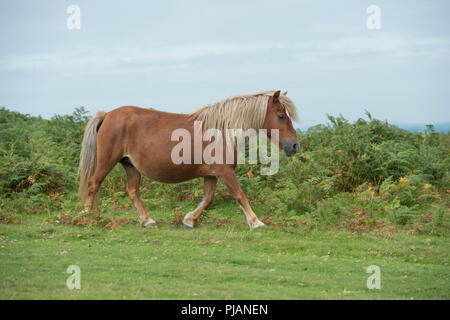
(290,148)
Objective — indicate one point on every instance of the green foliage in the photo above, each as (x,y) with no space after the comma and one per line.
(366,172)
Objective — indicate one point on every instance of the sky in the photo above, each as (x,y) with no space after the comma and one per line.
(178,55)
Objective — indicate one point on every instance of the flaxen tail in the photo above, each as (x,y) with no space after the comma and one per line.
(88,156)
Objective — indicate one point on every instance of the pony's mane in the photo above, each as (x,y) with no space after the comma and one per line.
(240,112)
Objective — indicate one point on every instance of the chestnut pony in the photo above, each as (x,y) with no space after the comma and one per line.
(141,140)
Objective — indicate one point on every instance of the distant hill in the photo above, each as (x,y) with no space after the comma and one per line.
(413,127)
(421,127)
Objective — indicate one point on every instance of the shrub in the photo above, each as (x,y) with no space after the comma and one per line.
(351,173)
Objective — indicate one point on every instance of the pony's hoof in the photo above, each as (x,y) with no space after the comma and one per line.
(150,224)
(186,226)
(257,224)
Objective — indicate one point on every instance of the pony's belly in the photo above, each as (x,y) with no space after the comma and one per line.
(169,178)
(171,173)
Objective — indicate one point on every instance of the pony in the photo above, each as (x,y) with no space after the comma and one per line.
(141,140)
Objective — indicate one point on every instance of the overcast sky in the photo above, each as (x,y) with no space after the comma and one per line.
(177,55)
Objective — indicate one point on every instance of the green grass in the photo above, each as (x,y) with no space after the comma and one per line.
(357,194)
(210,262)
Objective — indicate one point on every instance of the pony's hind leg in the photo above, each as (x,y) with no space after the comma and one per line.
(133,183)
(96,180)
(208,196)
(107,158)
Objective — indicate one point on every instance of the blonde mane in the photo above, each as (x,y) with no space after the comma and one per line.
(240,112)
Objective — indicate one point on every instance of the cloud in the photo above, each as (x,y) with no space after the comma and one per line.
(126,59)
(382,46)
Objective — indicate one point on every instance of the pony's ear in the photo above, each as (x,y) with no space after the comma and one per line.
(276,95)
(285,93)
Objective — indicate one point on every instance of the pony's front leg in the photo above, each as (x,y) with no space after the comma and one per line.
(228,177)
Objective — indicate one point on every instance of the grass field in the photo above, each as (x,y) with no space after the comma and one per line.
(215,262)
(357,194)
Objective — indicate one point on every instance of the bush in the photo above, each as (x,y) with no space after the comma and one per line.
(359,172)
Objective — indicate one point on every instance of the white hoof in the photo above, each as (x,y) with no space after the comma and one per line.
(149,223)
(188,222)
(185,226)
(254,225)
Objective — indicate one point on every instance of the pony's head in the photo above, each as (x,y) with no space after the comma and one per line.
(280,110)
(261,110)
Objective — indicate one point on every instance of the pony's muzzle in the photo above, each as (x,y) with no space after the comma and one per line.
(291,147)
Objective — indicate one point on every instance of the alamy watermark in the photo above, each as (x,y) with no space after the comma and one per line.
(73,281)
(374,20)
(74,20)
(374,281)
(214,152)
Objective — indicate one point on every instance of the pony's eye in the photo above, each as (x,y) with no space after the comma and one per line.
(281,116)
